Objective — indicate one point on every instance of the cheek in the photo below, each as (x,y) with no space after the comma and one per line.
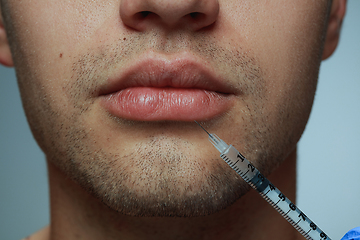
(45,38)
(286,37)
(48,34)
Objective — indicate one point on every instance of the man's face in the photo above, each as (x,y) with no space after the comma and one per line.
(111,89)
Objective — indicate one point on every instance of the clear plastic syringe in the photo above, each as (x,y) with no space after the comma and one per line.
(266,189)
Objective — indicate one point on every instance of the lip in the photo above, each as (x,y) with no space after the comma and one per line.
(159,87)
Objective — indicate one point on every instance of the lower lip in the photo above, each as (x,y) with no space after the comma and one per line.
(157,104)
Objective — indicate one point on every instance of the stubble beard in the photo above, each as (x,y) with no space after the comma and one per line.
(159,178)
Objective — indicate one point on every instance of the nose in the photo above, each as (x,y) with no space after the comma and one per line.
(142,15)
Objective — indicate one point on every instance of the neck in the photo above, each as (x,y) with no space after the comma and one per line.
(76,214)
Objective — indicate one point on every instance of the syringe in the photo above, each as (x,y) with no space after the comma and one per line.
(266,189)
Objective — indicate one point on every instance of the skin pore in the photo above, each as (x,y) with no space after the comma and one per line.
(115,178)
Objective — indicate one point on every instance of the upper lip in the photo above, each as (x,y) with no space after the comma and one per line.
(160,71)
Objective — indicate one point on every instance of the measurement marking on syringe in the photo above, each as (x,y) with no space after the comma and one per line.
(234,164)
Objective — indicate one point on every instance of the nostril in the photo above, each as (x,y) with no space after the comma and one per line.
(197,17)
(194,15)
(141,15)
(144,14)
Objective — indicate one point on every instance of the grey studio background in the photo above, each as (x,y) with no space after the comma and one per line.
(329,151)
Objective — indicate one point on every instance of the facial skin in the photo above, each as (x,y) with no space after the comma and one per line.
(65,52)
(268,52)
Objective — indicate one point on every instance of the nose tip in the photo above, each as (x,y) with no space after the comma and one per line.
(146,14)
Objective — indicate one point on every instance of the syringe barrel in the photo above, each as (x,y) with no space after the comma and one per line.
(272,194)
(239,163)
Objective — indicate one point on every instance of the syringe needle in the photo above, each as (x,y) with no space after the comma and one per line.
(216,141)
(203,128)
